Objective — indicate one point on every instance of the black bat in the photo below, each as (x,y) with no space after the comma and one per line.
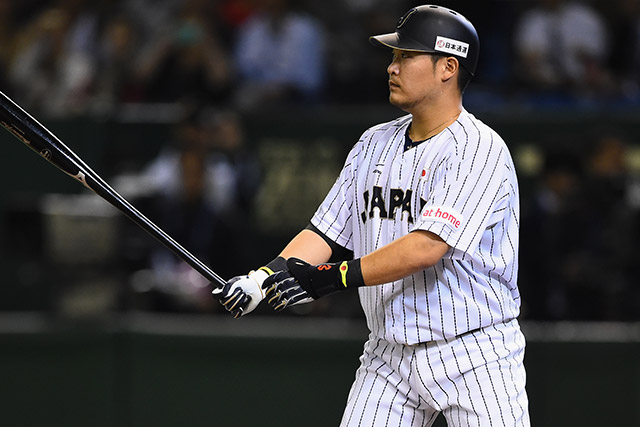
(37,137)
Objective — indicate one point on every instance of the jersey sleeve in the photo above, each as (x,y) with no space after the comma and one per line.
(333,216)
(462,201)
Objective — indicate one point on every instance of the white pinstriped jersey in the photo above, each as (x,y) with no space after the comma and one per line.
(461,185)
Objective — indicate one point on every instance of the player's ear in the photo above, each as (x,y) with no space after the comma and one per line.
(450,66)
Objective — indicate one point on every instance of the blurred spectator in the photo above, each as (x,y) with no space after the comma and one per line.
(493,23)
(116,58)
(234,13)
(191,220)
(189,62)
(562,45)
(279,56)
(232,174)
(74,54)
(7,42)
(624,18)
(201,187)
(356,72)
(578,234)
(54,64)
(235,172)
(160,174)
(554,233)
(154,18)
(612,233)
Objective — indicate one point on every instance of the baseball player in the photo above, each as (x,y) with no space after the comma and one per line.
(423,222)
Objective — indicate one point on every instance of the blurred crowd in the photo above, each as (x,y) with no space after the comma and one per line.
(221,59)
(70,57)
(580,225)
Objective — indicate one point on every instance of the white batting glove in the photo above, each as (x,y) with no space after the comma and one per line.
(242,294)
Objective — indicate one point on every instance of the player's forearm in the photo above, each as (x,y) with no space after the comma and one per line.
(309,247)
(401,258)
(303,282)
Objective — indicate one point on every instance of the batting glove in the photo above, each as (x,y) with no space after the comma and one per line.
(303,282)
(242,294)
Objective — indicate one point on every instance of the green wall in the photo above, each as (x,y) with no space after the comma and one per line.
(210,372)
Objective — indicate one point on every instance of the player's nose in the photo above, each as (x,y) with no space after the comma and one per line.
(393,68)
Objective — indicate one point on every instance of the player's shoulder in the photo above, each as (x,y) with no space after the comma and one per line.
(472,138)
(471,130)
(386,130)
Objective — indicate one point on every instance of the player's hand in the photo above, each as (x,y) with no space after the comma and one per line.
(242,294)
(283,290)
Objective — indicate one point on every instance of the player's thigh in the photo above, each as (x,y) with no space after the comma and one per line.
(381,395)
(496,397)
(492,394)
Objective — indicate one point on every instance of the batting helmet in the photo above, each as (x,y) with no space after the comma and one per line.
(435,29)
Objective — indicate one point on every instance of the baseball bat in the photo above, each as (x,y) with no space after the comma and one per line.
(37,137)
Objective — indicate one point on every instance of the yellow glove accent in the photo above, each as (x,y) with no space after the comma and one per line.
(343,272)
(267,269)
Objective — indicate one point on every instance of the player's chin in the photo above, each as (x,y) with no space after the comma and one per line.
(394,99)
(398,102)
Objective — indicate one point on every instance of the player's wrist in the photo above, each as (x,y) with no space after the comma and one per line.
(349,274)
(261,274)
(275,265)
(324,279)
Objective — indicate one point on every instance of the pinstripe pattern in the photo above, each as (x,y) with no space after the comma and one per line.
(468,170)
(476,379)
(462,186)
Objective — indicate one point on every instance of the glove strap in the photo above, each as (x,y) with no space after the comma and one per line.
(267,270)
(277,264)
(344,268)
(351,274)
(325,279)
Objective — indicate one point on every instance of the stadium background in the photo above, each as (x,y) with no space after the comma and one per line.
(100,326)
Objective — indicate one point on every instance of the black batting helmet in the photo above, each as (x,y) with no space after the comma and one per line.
(435,29)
